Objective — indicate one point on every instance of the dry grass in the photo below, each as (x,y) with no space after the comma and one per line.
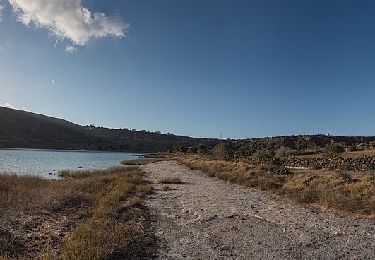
(171,181)
(113,224)
(236,172)
(334,190)
(33,194)
(357,154)
(89,215)
(142,161)
(68,174)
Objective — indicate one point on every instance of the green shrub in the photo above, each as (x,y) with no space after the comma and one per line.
(202,149)
(244,152)
(180,148)
(333,150)
(263,156)
(352,148)
(348,167)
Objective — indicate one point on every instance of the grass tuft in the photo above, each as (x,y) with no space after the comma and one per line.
(142,161)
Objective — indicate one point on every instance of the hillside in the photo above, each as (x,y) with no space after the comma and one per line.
(29,130)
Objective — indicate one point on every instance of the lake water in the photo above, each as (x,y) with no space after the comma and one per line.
(44,162)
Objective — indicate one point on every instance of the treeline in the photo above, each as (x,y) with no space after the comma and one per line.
(271,149)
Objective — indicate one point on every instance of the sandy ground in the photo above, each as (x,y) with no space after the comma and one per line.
(206,218)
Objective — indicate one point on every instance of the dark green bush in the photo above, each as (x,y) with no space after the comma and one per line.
(333,150)
(223,151)
(263,156)
(180,148)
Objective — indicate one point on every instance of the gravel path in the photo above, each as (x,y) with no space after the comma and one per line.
(206,218)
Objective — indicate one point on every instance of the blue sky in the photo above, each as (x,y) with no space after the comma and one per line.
(241,68)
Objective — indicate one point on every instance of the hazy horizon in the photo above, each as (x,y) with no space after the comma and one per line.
(202,69)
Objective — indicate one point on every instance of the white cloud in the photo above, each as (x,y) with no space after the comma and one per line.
(70,49)
(68,19)
(5,46)
(8,105)
(25,109)
(53,82)
(1,10)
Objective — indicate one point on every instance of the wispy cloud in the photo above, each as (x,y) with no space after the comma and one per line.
(8,105)
(70,49)
(53,81)
(1,10)
(5,46)
(68,19)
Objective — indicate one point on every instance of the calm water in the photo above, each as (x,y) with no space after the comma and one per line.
(44,162)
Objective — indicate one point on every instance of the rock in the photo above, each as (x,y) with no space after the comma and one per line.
(5,235)
(211,218)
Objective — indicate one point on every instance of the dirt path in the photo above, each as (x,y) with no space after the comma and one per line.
(206,218)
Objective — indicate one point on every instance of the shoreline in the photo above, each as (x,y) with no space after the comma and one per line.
(73,150)
(48,163)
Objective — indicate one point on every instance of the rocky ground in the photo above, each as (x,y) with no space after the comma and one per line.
(206,218)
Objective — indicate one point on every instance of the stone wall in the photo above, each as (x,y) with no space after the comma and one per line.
(354,164)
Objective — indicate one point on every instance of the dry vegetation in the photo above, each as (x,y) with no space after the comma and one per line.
(88,215)
(171,181)
(142,161)
(357,154)
(335,190)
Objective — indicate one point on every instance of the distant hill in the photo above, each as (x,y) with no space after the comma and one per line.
(21,129)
